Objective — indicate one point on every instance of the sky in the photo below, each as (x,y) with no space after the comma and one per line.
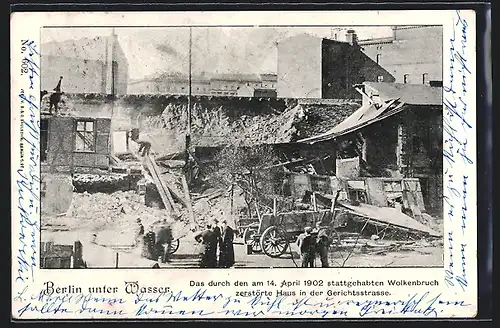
(153,51)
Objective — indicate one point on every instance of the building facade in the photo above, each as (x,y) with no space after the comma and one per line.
(237,85)
(95,65)
(413,54)
(313,67)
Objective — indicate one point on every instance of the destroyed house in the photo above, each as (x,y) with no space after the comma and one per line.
(73,144)
(396,133)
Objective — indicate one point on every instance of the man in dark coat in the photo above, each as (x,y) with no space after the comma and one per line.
(226,257)
(217,240)
(163,242)
(322,244)
(55,97)
(306,243)
(208,239)
(148,249)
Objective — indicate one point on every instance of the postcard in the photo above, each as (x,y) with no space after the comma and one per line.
(221,165)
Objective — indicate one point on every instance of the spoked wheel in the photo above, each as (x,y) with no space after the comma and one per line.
(174,246)
(274,242)
(250,239)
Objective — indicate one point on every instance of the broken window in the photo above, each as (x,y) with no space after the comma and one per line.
(85,136)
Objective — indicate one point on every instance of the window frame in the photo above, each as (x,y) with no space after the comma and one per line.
(94,135)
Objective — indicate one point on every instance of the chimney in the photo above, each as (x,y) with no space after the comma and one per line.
(351,37)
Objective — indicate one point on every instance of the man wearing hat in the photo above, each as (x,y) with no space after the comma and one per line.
(207,255)
(226,257)
(216,240)
(306,243)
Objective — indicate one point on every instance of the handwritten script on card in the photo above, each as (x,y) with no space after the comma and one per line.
(27,180)
(205,303)
(458,124)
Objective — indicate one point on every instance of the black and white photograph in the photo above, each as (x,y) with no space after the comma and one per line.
(241,147)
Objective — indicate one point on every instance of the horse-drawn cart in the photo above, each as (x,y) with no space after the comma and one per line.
(273,233)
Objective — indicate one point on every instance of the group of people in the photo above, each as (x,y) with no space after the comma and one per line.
(314,242)
(156,241)
(215,239)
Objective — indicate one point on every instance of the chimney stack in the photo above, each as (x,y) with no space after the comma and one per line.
(351,37)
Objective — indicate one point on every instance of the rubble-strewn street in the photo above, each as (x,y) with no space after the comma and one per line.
(112,218)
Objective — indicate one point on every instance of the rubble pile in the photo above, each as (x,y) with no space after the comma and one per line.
(214,128)
(219,126)
(117,211)
(207,209)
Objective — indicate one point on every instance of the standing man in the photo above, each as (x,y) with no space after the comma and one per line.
(206,238)
(148,249)
(216,241)
(164,238)
(226,257)
(139,232)
(55,97)
(306,242)
(322,244)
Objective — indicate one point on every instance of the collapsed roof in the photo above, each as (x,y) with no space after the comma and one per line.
(381,100)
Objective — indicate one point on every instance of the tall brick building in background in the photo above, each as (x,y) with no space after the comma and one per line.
(413,54)
(96,65)
(314,67)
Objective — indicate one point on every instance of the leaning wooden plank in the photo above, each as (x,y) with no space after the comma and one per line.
(175,193)
(157,181)
(165,187)
(391,216)
(188,198)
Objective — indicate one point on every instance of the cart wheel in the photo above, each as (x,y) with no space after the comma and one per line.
(174,246)
(274,242)
(249,239)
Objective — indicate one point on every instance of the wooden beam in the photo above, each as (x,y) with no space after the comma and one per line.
(174,193)
(162,189)
(188,199)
